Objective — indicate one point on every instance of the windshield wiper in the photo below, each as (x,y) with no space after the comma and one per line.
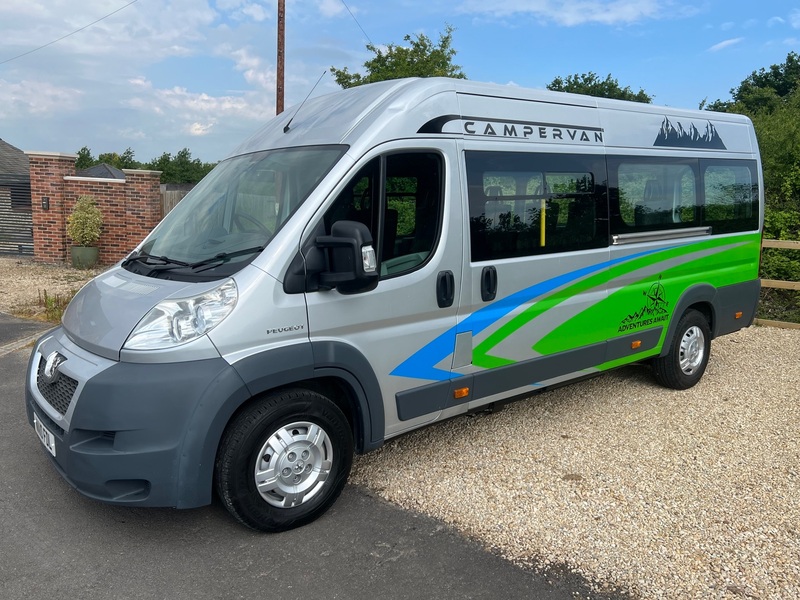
(143,257)
(225,256)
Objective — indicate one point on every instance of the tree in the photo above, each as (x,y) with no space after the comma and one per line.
(181,168)
(771,98)
(591,85)
(125,160)
(778,132)
(85,159)
(421,58)
(762,90)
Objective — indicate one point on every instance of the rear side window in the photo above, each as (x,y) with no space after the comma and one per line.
(657,196)
(653,194)
(731,197)
(524,204)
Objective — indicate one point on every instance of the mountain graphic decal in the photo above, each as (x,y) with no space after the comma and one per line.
(677,136)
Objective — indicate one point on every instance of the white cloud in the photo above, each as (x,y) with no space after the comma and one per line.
(794,18)
(36,98)
(138,33)
(775,21)
(184,102)
(725,44)
(197,111)
(727,26)
(199,129)
(255,71)
(130,133)
(256,12)
(229,5)
(569,12)
(332,8)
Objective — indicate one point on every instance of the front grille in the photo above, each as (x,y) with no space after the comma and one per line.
(58,394)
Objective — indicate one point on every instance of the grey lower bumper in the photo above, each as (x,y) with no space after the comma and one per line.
(141,434)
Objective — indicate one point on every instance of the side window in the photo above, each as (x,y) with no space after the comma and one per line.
(731,197)
(652,194)
(656,195)
(524,204)
(399,198)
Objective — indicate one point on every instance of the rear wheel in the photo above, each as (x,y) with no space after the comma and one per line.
(284,460)
(686,361)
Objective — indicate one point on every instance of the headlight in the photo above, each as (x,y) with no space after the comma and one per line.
(174,322)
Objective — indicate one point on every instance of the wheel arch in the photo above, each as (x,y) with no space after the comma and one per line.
(342,374)
(699,297)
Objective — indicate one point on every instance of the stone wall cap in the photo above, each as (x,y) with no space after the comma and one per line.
(52,154)
(142,171)
(90,179)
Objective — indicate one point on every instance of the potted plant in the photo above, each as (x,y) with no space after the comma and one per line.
(84,226)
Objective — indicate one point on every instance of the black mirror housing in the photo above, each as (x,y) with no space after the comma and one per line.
(352,265)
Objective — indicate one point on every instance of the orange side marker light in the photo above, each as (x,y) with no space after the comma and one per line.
(461,393)
(636,344)
(738,315)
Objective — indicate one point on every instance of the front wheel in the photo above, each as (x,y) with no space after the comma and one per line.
(686,361)
(284,460)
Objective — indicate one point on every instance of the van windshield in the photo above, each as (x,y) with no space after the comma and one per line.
(232,214)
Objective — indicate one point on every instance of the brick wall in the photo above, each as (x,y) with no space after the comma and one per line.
(130,207)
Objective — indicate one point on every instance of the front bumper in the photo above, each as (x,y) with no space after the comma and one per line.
(140,434)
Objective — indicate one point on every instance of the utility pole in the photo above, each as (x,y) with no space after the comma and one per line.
(281,53)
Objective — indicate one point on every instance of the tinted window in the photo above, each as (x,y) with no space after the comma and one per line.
(524,204)
(731,197)
(652,194)
(657,196)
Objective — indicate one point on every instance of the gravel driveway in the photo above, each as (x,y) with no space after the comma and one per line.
(666,494)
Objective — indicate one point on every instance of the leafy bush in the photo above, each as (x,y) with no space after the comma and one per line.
(85,223)
(780,264)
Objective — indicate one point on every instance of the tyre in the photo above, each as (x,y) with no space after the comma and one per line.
(284,460)
(686,361)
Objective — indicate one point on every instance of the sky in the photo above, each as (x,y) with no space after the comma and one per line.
(162,75)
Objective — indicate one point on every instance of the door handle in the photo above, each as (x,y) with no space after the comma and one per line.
(445,289)
(488,284)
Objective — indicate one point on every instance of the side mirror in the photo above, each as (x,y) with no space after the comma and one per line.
(352,264)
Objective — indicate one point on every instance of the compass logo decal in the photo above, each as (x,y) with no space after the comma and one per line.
(654,310)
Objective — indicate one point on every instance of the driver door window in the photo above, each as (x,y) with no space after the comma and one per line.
(399,198)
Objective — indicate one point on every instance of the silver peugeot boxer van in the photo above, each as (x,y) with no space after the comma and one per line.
(385,257)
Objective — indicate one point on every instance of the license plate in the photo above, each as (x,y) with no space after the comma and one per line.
(48,439)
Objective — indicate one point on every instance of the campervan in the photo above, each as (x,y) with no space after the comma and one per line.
(385,257)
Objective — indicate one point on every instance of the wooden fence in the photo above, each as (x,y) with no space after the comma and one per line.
(779,284)
(170,199)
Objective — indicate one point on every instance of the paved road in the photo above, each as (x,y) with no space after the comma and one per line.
(54,543)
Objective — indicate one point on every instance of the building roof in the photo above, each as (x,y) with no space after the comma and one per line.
(13,161)
(101,171)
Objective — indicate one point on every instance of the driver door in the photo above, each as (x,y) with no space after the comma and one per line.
(409,200)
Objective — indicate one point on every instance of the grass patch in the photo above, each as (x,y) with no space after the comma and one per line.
(47,307)
(779,305)
(54,306)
